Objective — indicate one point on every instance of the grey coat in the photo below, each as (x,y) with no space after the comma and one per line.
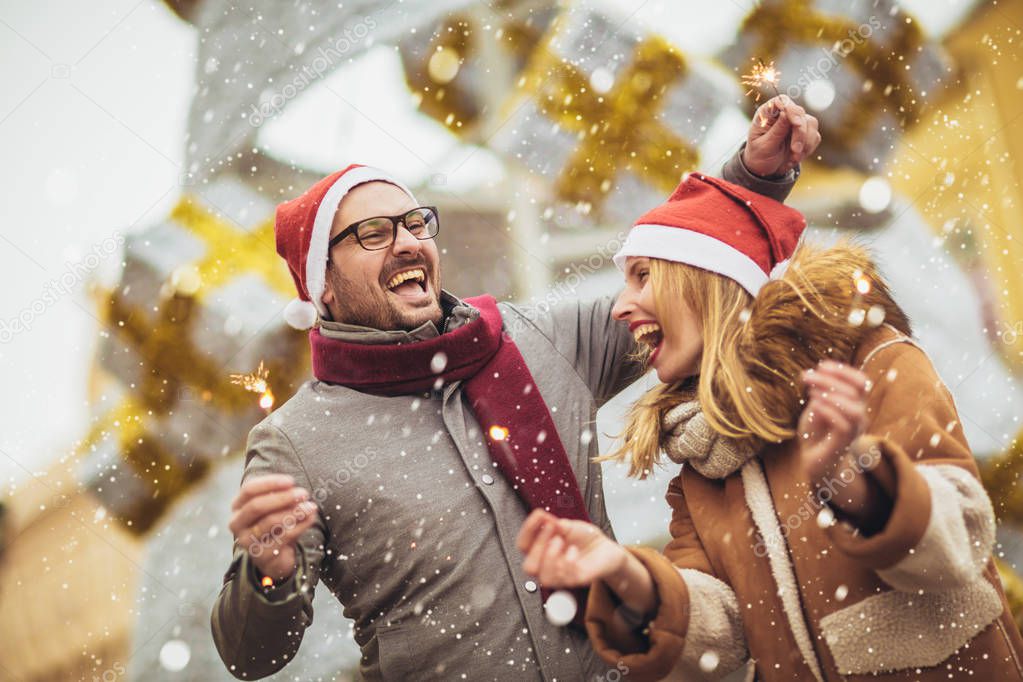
(416,535)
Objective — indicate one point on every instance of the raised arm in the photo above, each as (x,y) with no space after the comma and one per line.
(781,135)
(279,534)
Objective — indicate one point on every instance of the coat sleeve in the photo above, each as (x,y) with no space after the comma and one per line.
(597,346)
(257,634)
(585,334)
(941,529)
(697,612)
(735,171)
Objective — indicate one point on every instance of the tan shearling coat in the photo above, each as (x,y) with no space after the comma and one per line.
(757,576)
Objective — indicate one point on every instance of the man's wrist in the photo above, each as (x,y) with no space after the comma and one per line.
(269,587)
(772,177)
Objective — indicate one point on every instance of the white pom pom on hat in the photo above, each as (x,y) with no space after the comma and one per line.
(302,228)
(300,314)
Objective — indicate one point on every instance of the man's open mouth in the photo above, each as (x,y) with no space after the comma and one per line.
(411,282)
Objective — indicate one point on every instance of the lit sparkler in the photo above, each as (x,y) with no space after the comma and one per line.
(257,383)
(761,75)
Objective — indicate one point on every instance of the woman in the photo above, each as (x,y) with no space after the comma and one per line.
(828,522)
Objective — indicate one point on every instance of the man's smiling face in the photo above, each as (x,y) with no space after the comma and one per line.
(397,287)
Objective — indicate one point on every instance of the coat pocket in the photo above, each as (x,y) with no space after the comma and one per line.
(394,652)
(898,630)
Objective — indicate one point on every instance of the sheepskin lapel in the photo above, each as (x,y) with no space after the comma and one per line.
(758,499)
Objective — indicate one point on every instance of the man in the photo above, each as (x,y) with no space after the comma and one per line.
(401,475)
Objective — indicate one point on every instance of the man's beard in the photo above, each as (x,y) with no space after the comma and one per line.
(372,307)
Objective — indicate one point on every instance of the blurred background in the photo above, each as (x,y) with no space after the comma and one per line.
(148,143)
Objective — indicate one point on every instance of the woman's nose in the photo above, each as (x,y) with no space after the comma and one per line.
(623,306)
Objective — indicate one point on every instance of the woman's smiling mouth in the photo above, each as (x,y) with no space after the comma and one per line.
(649,333)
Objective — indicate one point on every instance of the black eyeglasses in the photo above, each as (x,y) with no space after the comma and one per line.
(380,232)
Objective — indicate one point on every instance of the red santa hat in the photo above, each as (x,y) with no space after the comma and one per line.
(720,227)
(303,231)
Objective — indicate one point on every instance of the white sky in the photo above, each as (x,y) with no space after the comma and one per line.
(91,125)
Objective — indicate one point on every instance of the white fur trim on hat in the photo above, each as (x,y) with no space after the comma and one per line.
(778,271)
(692,248)
(316,261)
(300,314)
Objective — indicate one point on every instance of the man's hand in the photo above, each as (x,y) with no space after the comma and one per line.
(270,513)
(782,134)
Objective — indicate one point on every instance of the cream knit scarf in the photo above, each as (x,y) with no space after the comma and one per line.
(689,440)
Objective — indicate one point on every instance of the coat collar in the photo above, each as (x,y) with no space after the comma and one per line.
(456,314)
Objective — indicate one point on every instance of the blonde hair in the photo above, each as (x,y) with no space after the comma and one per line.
(754,348)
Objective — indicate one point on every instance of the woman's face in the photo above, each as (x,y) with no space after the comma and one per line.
(677,343)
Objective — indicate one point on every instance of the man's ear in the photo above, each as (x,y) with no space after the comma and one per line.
(328,293)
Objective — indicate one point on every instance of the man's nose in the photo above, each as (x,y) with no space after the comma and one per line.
(405,243)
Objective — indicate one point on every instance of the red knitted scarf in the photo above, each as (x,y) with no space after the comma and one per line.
(517,426)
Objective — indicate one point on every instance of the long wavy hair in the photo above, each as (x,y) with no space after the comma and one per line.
(754,348)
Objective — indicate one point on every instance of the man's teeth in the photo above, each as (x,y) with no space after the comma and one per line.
(417,275)
(651,330)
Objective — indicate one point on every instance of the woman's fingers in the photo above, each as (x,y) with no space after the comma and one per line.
(837,378)
(828,386)
(534,522)
(852,408)
(534,557)
(837,427)
(845,372)
(550,562)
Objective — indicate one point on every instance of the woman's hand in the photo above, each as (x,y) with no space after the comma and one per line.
(782,134)
(835,414)
(834,417)
(565,553)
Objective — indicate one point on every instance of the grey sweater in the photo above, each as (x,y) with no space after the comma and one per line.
(416,530)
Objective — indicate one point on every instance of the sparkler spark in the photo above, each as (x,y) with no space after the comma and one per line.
(761,75)
(257,383)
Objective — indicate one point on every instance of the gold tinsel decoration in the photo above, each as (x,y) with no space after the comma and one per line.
(173,364)
(884,73)
(618,130)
